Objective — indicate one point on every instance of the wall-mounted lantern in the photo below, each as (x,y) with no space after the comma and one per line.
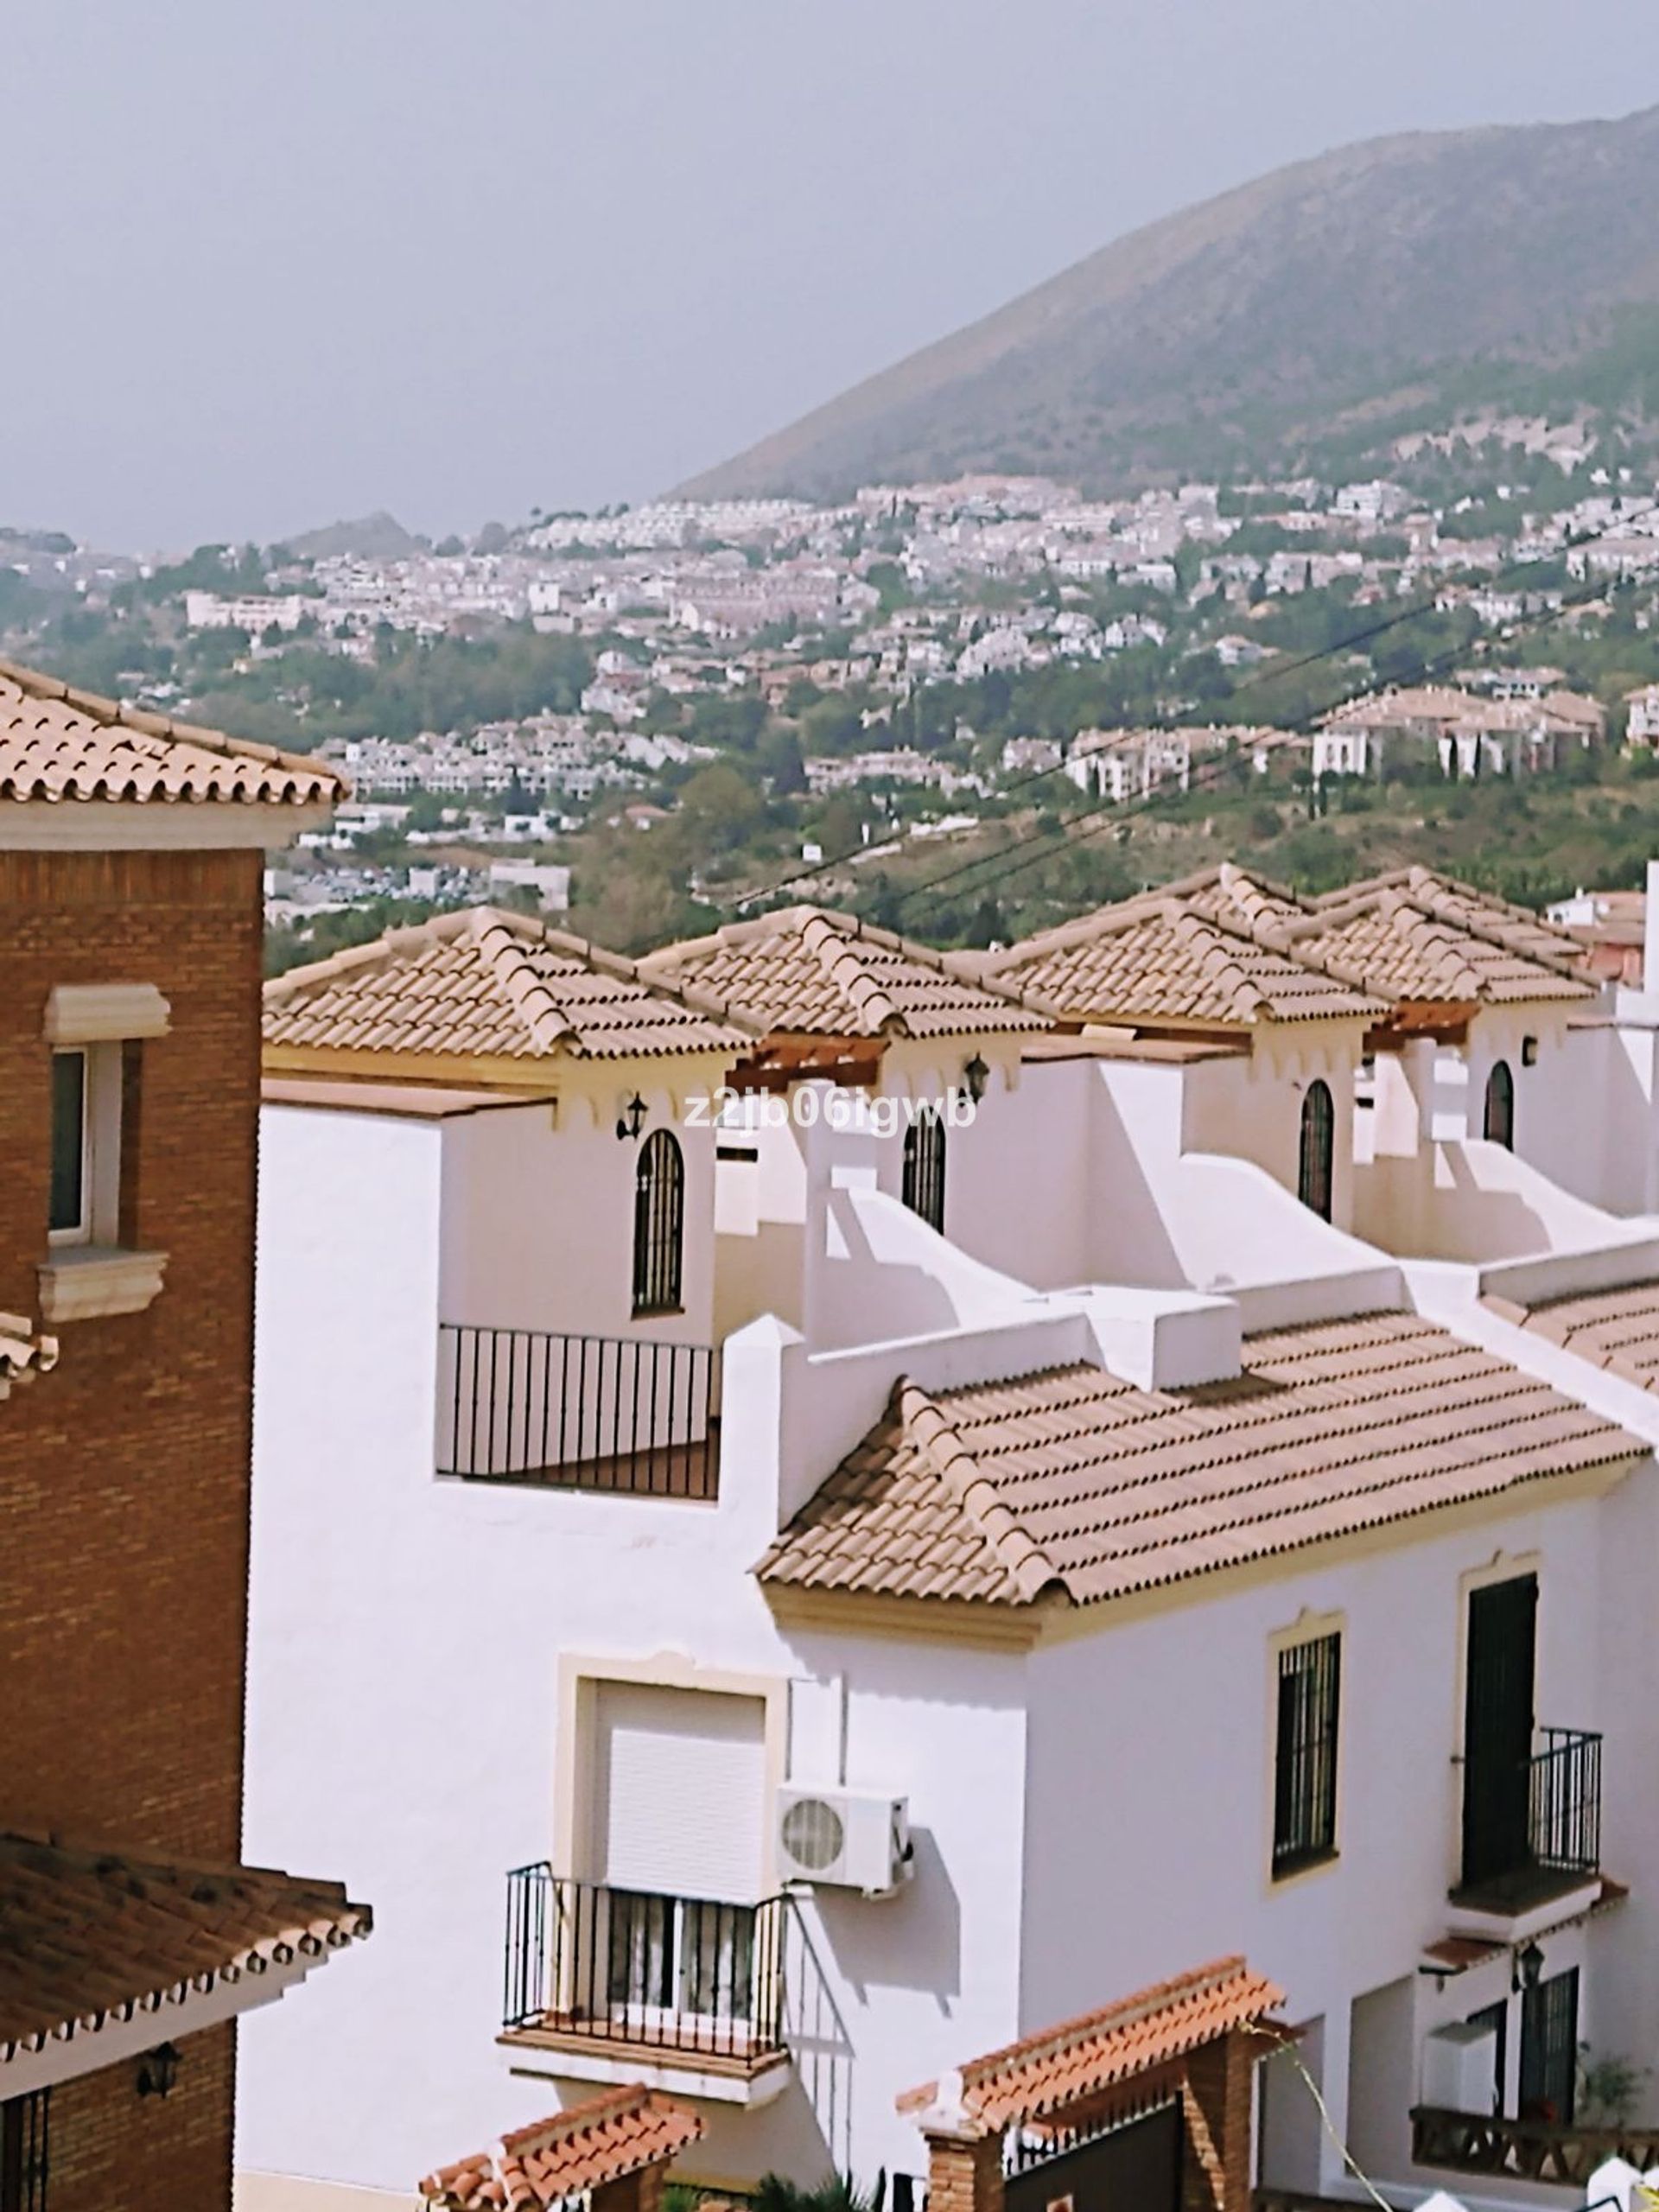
(631,1119)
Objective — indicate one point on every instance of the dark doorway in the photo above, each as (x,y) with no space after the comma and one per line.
(1135,2167)
(1499,1127)
(1550,2049)
(1497,1732)
(1497,2018)
(23,2144)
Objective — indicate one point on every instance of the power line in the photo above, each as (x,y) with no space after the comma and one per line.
(1203,779)
(1347,644)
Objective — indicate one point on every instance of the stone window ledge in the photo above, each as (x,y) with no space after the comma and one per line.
(87,1282)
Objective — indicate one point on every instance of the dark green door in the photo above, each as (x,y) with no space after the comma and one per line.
(1497,1723)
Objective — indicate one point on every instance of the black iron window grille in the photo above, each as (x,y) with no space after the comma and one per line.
(1305,1763)
(923,1187)
(658,1225)
(1497,1125)
(1314,1180)
(1550,2049)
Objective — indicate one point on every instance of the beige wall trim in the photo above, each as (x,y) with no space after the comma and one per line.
(1055,1620)
(582,1675)
(155,825)
(262,2192)
(94,1014)
(934,1620)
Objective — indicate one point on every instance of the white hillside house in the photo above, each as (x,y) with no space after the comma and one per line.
(861,1503)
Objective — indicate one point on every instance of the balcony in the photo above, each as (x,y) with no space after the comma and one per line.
(620,1414)
(627,1986)
(1531,1837)
(1526,2150)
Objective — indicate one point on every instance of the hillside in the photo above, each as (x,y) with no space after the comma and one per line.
(1310,314)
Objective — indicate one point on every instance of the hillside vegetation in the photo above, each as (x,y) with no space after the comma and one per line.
(1301,321)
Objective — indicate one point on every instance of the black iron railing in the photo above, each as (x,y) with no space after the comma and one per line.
(635,1967)
(1565,1801)
(588,1412)
(1533,1822)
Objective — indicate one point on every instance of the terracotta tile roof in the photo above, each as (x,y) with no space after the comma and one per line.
(1072,1483)
(22,1354)
(90,1937)
(578,2150)
(1614,1329)
(1229,893)
(806,971)
(1415,938)
(1044,2074)
(58,744)
(1162,958)
(487,983)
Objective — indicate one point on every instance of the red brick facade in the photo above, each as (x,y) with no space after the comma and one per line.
(124,1473)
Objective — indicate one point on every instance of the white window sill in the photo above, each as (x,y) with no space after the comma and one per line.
(87,1282)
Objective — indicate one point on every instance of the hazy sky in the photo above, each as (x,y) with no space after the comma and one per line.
(265,265)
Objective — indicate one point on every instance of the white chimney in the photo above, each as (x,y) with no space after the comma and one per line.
(1650,930)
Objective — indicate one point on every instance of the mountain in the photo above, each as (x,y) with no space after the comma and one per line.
(1401,282)
(379,537)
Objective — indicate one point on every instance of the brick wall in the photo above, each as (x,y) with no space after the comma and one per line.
(124,1474)
(1216,2165)
(111,2148)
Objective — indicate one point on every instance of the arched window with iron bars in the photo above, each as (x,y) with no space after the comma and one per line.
(658,1225)
(923,1188)
(1315,1176)
(1497,1125)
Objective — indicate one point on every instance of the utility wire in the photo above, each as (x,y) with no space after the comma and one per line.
(1293,666)
(1202,779)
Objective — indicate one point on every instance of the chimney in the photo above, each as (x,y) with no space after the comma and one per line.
(1650,931)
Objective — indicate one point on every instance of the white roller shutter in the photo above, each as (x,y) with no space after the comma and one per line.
(680,1792)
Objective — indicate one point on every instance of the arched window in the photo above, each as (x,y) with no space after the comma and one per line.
(1319,1140)
(1499,1124)
(658,1225)
(923,1189)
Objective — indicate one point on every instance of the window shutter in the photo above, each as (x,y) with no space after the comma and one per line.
(680,1791)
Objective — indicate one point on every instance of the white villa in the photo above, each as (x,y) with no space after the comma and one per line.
(820,1507)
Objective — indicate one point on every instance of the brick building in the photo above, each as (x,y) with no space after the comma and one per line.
(130,856)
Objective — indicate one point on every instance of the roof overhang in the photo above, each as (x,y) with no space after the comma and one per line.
(782,1059)
(1443,1021)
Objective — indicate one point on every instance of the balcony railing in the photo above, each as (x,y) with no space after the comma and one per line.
(1526,2150)
(1565,1801)
(613,1967)
(1535,1830)
(583,1413)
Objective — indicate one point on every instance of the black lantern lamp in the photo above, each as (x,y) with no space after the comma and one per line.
(158,2071)
(631,1119)
(1529,1966)
(974,1076)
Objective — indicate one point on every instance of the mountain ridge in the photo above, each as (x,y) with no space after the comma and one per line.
(1392,275)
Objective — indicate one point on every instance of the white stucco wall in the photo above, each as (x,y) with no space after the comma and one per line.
(1149,1817)
(538,1225)
(403,1702)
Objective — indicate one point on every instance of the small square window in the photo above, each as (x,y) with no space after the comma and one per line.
(70,1221)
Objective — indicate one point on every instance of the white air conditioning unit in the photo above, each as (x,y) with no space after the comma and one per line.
(851,1839)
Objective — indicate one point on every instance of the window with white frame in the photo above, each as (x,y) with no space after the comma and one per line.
(96,1035)
(84,1205)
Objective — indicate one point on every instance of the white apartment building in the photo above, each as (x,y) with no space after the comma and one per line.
(772,1599)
